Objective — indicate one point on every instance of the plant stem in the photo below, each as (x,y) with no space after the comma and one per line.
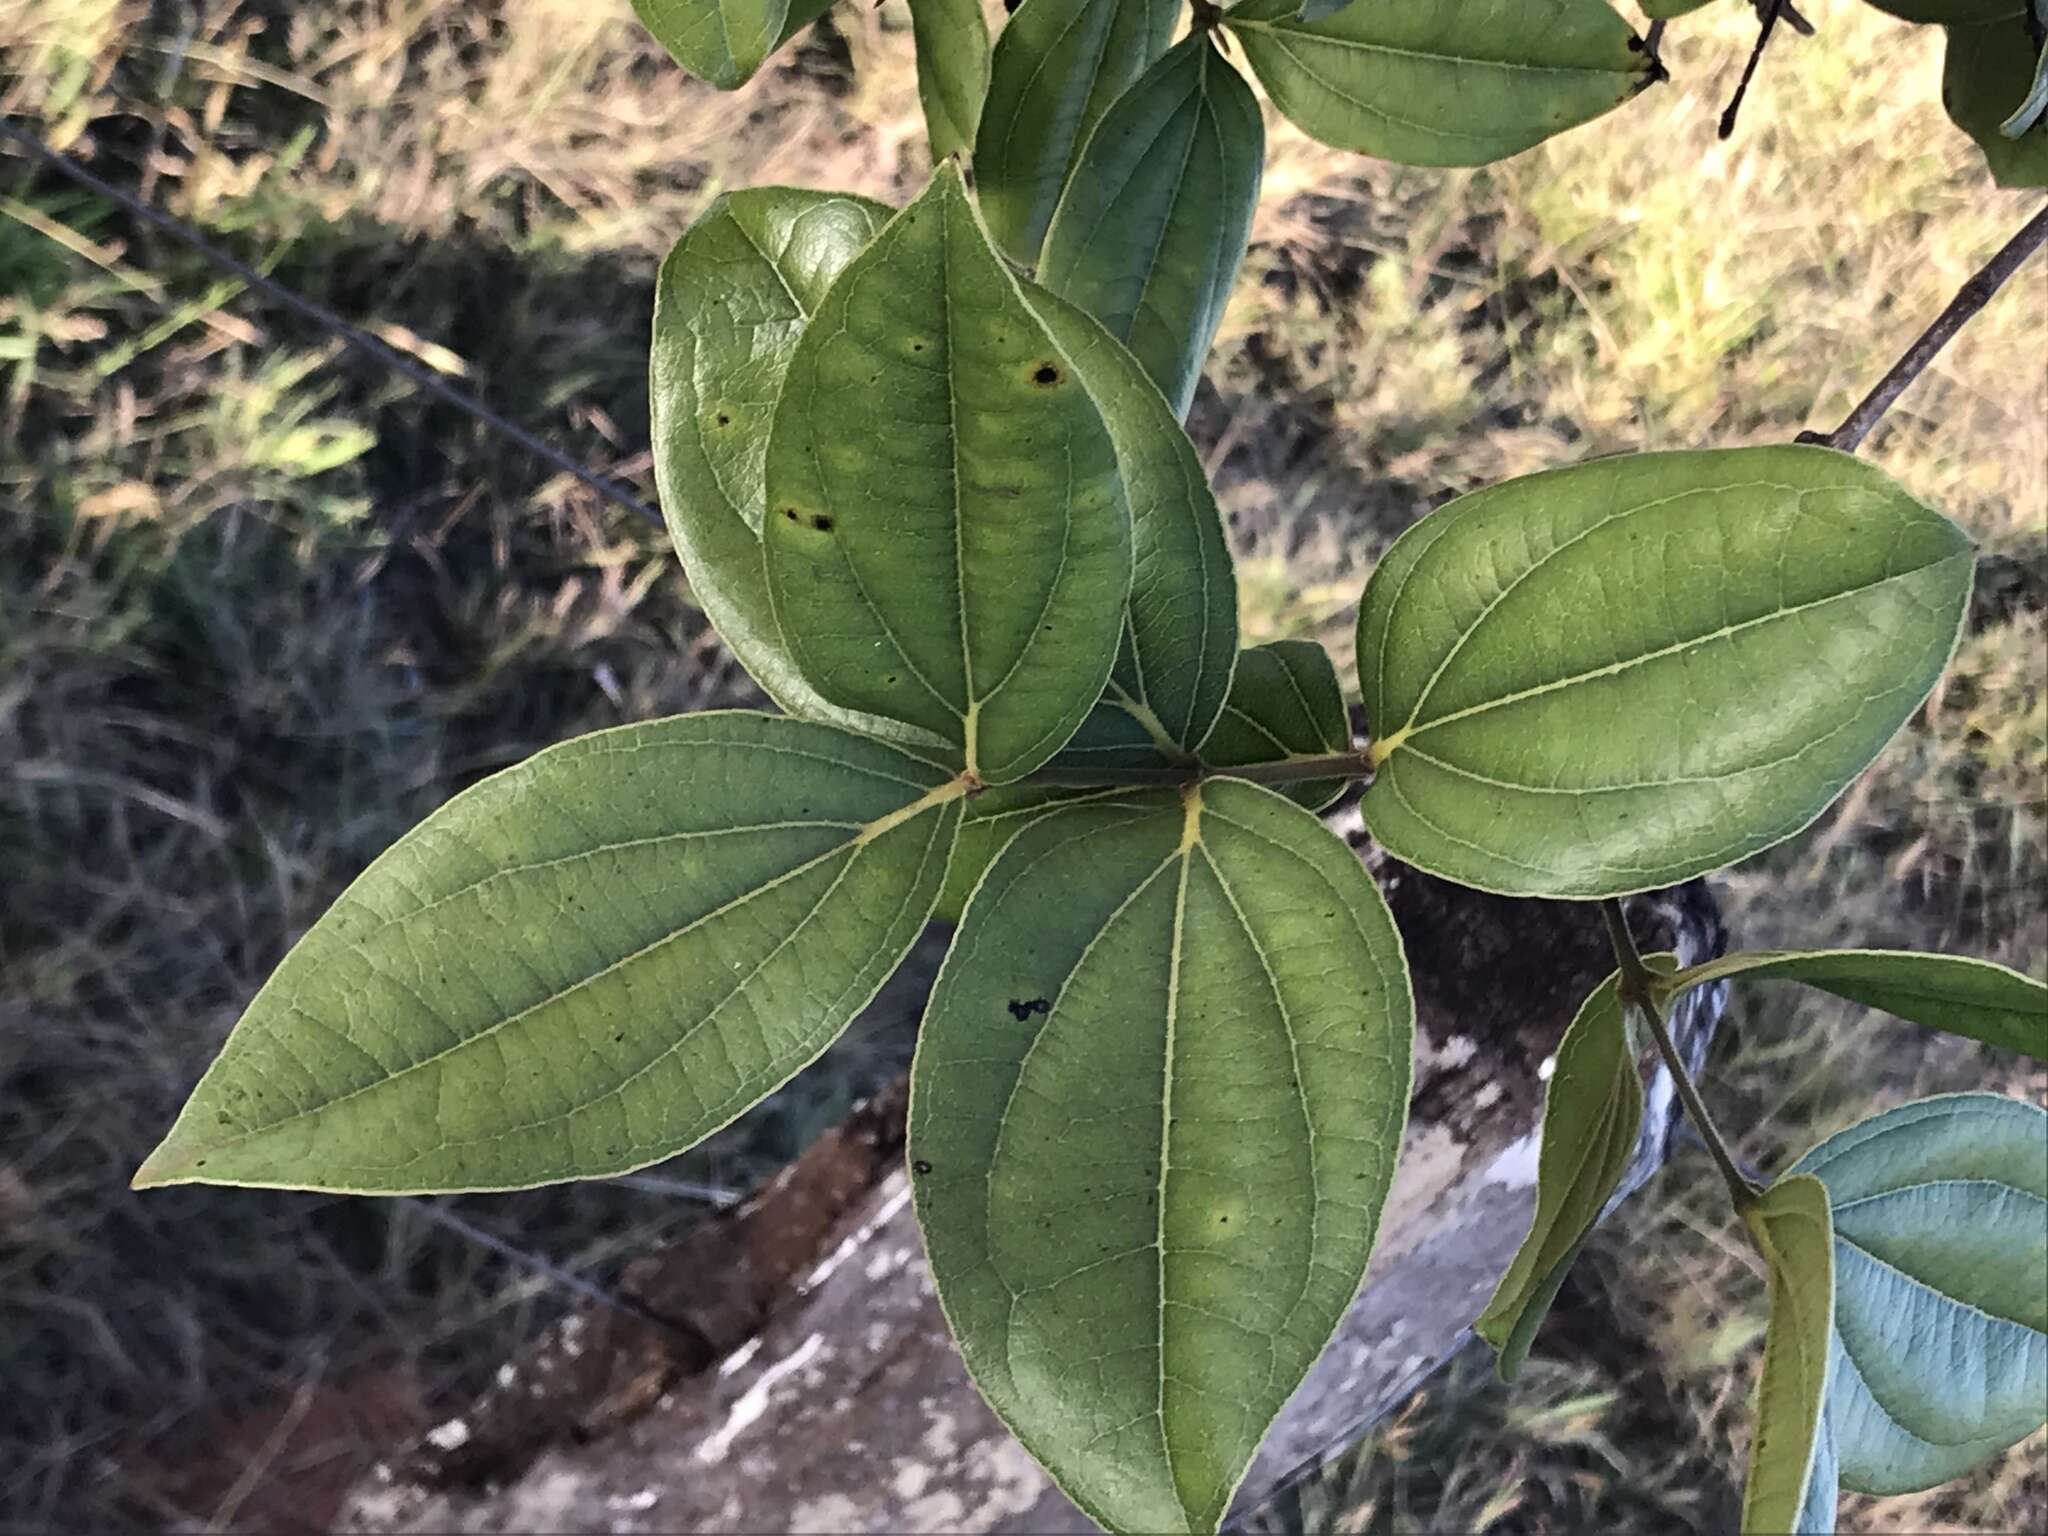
(1293,770)
(1638,990)
(1970,298)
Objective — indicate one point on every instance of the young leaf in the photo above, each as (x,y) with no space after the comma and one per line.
(723,42)
(582,965)
(1154,224)
(1790,1228)
(1285,703)
(1180,628)
(733,298)
(1987,79)
(1154,1111)
(1953,992)
(1941,1287)
(1616,676)
(1441,82)
(952,71)
(1592,1120)
(1057,66)
(948,543)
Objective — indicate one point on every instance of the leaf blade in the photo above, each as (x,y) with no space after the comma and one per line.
(1395,78)
(1157,216)
(952,71)
(1985,1001)
(1656,726)
(1057,66)
(1988,78)
(946,513)
(1261,1049)
(1790,1227)
(722,42)
(1285,703)
(1939,1205)
(665,940)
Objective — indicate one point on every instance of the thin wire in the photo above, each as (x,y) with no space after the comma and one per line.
(328,321)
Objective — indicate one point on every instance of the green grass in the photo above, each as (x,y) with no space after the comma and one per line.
(262,606)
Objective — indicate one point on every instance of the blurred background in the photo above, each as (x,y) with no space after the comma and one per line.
(263,604)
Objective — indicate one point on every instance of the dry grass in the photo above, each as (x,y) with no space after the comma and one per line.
(260,609)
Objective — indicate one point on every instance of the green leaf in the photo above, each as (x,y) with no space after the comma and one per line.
(1987,1002)
(992,818)
(1057,66)
(1669,10)
(1180,628)
(1285,704)
(1154,1111)
(1616,676)
(1316,10)
(948,543)
(723,42)
(1441,82)
(952,71)
(1988,79)
(1941,1287)
(1951,11)
(1789,1225)
(1154,224)
(733,298)
(1823,1483)
(582,965)
(1592,1120)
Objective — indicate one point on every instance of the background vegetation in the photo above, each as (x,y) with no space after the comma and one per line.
(263,605)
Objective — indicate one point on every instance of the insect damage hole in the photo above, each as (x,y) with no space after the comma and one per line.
(1046,375)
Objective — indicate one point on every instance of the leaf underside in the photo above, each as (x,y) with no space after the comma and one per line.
(1154,1112)
(582,965)
(1285,703)
(1989,72)
(1790,1228)
(1613,677)
(1941,1287)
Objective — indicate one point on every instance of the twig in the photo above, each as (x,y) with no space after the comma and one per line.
(1756,54)
(328,321)
(1970,298)
(1638,990)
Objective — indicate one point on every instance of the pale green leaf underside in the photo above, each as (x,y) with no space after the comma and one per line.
(1987,77)
(1666,10)
(1154,223)
(733,298)
(1440,82)
(952,70)
(1941,1287)
(1592,1119)
(582,965)
(1790,1228)
(723,42)
(1617,676)
(1154,1112)
(1285,703)
(1964,996)
(948,543)
(1179,643)
(1057,66)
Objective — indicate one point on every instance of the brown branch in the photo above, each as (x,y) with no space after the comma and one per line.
(1970,298)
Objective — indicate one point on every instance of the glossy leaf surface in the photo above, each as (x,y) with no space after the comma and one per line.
(1154,1112)
(948,543)
(1285,703)
(733,298)
(1592,1120)
(1154,223)
(1987,1002)
(1941,1287)
(1180,629)
(1791,1229)
(582,965)
(952,71)
(1616,676)
(1440,82)
(1057,66)
(723,42)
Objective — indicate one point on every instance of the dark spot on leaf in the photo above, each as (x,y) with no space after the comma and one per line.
(1045,375)
(724,420)
(792,514)
(920,1166)
(821,522)
(1022,1011)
